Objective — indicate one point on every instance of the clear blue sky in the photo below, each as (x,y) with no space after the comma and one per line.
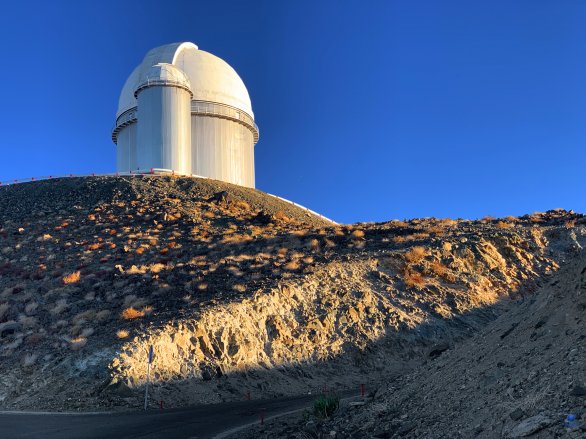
(368,110)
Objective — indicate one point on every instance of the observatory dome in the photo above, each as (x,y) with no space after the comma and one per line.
(187,111)
(212,79)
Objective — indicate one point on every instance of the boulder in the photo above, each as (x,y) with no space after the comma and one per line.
(438,349)
(530,426)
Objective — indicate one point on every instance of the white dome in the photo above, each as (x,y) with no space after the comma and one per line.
(211,78)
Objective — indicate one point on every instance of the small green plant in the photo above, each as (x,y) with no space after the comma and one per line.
(325,406)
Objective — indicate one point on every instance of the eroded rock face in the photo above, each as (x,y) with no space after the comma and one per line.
(359,308)
(236,289)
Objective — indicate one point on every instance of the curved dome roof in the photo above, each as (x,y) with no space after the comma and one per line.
(163,74)
(211,78)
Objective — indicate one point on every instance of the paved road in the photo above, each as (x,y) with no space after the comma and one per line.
(201,422)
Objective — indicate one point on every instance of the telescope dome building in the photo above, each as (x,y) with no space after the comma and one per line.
(186,110)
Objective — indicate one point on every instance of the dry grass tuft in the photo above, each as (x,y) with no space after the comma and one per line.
(448,222)
(280,216)
(59,307)
(438,269)
(29,359)
(27,322)
(77,343)
(239,287)
(437,229)
(71,278)
(413,279)
(536,217)
(31,308)
(103,315)
(83,317)
(357,234)
(314,244)
(415,255)
(241,205)
(234,238)
(504,225)
(122,333)
(132,313)
(292,266)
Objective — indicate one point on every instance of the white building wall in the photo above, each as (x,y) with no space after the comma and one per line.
(222,149)
(164,128)
(126,149)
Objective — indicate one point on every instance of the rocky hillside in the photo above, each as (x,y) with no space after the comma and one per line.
(238,291)
(521,376)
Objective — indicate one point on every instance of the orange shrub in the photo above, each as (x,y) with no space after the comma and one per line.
(131,313)
(71,278)
(413,279)
(504,225)
(292,266)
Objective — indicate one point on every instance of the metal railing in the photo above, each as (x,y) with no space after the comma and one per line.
(199,108)
(154,82)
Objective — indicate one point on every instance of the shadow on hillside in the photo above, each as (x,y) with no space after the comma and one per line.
(377,362)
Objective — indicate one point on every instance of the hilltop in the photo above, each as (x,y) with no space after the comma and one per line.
(239,291)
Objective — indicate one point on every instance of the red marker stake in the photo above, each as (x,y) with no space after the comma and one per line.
(161,404)
(362,390)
